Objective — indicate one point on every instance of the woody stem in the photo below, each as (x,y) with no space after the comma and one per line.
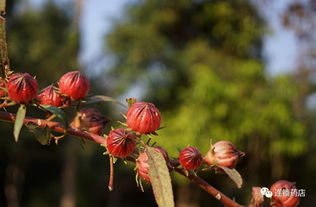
(58,127)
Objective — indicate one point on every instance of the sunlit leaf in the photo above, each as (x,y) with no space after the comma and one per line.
(58,112)
(233,174)
(101,98)
(41,134)
(160,178)
(20,115)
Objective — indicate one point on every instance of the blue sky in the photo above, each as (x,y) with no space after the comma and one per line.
(98,15)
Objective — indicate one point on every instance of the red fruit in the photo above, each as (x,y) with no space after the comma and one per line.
(143,117)
(74,84)
(22,88)
(142,165)
(89,119)
(2,85)
(49,96)
(121,143)
(223,153)
(284,194)
(190,158)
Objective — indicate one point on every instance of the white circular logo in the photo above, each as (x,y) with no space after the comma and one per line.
(264,190)
(269,194)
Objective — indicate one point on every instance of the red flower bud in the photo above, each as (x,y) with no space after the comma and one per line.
(3,84)
(284,194)
(74,84)
(190,158)
(22,88)
(142,165)
(143,117)
(49,96)
(223,153)
(121,143)
(89,119)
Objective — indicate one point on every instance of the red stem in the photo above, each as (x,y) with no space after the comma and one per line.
(58,127)
(55,126)
(110,186)
(208,188)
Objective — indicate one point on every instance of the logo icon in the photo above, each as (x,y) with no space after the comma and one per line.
(266,192)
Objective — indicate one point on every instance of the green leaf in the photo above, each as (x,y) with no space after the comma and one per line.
(160,178)
(41,134)
(234,175)
(20,115)
(101,98)
(58,112)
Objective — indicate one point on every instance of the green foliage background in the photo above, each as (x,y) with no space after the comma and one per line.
(201,63)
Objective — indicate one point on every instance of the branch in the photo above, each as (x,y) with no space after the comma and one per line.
(58,127)
(4,59)
(54,126)
(208,188)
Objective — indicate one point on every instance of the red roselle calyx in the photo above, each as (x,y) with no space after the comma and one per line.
(284,194)
(142,163)
(3,84)
(121,143)
(49,96)
(142,166)
(89,119)
(143,117)
(74,85)
(22,88)
(190,158)
(223,153)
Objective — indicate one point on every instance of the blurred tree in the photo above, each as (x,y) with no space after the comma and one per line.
(200,62)
(45,42)
(42,42)
(299,18)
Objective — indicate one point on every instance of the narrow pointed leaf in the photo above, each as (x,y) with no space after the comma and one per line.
(20,115)
(100,98)
(234,175)
(58,112)
(41,134)
(160,178)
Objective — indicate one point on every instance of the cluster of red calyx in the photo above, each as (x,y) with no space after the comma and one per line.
(145,118)
(222,153)
(284,194)
(22,88)
(142,118)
